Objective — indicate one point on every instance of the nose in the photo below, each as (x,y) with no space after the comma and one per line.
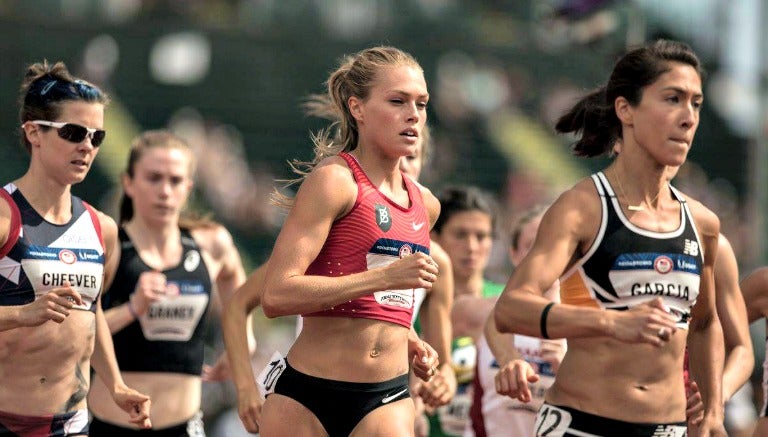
(86,143)
(690,117)
(165,189)
(472,243)
(413,112)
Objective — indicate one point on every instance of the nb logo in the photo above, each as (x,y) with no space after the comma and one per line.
(691,248)
(669,431)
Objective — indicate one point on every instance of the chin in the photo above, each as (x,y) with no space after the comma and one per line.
(676,162)
(77,179)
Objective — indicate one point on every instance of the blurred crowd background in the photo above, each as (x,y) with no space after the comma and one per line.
(230,75)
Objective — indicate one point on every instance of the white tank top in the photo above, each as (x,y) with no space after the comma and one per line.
(502,415)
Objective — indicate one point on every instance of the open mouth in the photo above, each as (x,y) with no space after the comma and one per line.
(410,133)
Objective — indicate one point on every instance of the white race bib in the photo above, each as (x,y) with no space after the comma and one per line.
(268,377)
(552,421)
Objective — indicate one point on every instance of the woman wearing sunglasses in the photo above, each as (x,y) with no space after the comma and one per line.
(54,251)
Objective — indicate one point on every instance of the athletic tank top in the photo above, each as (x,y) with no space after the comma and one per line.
(40,256)
(494,415)
(419,295)
(375,233)
(627,266)
(169,337)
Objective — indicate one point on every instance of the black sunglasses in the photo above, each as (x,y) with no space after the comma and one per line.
(74,132)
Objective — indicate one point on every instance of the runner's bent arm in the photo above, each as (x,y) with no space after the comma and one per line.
(705,339)
(327,194)
(566,230)
(732,313)
(435,315)
(103,359)
(754,288)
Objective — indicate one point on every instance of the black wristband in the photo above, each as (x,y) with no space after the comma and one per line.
(543,320)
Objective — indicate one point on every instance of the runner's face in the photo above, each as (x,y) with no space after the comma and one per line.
(665,121)
(65,161)
(467,238)
(524,241)
(161,184)
(392,117)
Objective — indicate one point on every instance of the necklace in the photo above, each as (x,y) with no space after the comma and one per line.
(638,207)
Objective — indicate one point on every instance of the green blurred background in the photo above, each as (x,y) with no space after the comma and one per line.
(229,75)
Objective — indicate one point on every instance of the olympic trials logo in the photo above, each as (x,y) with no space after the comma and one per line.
(67,256)
(663,264)
(383,217)
(405,250)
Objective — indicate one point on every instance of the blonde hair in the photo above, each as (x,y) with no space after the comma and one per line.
(353,78)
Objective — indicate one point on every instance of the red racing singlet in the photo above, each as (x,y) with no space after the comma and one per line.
(375,233)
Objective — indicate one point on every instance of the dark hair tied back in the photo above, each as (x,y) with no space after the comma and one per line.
(45,87)
(594,117)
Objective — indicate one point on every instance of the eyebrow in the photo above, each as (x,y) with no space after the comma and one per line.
(682,91)
(405,93)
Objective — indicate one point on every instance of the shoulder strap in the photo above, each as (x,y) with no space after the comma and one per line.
(414,191)
(357,171)
(14,230)
(96,223)
(187,240)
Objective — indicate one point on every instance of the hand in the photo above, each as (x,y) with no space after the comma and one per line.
(53,305)
(249,405)
(137,405)
(650,322)
(150,288)
(440,389)
(220,371)
(413,271)
(694,409)
(513,378)
(423,358)
(708,427)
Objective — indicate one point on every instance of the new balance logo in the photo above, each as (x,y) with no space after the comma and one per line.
(669,431)
(691,248)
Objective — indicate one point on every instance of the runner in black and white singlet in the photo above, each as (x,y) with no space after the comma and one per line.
(53,252)
(157,304)
(635,260)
